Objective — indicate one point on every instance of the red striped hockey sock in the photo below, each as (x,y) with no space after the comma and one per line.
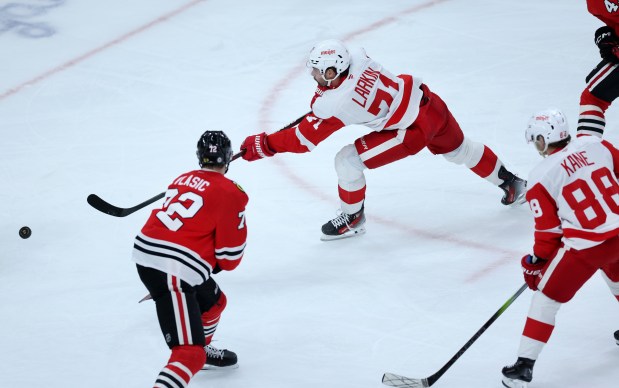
(184,363)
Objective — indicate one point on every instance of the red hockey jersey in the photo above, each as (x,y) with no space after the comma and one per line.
(200,225)
(370,95)
(607,11)
(574,196)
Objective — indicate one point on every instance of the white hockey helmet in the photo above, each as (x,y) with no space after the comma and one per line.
(550,124)
(329,53)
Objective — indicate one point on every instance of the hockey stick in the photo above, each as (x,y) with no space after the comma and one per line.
(394,380)
(296,122)
(107,208)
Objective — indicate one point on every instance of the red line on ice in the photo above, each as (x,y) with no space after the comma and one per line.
(97,50)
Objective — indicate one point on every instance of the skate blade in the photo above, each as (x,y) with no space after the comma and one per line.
(511,383)
(220,368)
(351,233)
(518,201)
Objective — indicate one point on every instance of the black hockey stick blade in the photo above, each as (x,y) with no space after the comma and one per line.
(393,380)
(107,208)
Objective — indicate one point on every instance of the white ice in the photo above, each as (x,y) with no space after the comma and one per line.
(113,101)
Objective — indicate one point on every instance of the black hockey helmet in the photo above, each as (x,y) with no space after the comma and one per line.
(214,149)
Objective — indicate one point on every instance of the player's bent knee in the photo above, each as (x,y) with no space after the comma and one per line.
(348,164)
(216,309)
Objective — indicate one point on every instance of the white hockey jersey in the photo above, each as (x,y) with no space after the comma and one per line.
(370,96)
(574,196)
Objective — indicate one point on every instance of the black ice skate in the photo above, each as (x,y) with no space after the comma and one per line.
(519,374)
(617,337)
(515,188)
(219,359)
(344,225)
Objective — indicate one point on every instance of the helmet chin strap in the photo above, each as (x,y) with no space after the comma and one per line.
(328,81)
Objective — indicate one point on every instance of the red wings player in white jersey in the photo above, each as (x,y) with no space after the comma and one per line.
(405,117)
(574,197)
(603,81)
(199,230)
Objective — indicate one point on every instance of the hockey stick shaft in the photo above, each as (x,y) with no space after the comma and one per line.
(296,122)
(405,382)
(107,208)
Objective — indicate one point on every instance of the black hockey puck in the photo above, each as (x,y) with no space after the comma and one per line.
(25,232)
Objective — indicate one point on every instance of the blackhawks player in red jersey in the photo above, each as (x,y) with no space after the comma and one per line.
(574,196)
(199,230)
(404,115)
(603,81)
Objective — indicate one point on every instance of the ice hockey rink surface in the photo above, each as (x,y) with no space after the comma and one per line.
(110,97)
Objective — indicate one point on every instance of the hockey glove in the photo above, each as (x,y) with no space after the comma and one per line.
(256,147)
(608,43)
(533,269)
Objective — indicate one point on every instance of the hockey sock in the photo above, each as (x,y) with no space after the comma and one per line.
(479,158)
(591,120)
(614,286)
(539,325)
(210,318)
(351,181)
(488,166)
(351,201)
(184,363)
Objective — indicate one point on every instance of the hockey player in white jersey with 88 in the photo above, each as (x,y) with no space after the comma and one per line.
(574,197)
(404,115)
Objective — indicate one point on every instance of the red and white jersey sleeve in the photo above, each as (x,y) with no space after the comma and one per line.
(370,96)
(607,11)
(200,225)
(305,136)
(574,196)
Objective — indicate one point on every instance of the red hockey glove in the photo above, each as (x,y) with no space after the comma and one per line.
(533,269)
(256,147)
(608,43)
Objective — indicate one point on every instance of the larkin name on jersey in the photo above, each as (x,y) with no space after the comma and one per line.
(370,96)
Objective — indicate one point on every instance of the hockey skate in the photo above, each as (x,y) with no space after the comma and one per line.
(617,337)
(515,188)
(344,225)
(219,359)
(519,374)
